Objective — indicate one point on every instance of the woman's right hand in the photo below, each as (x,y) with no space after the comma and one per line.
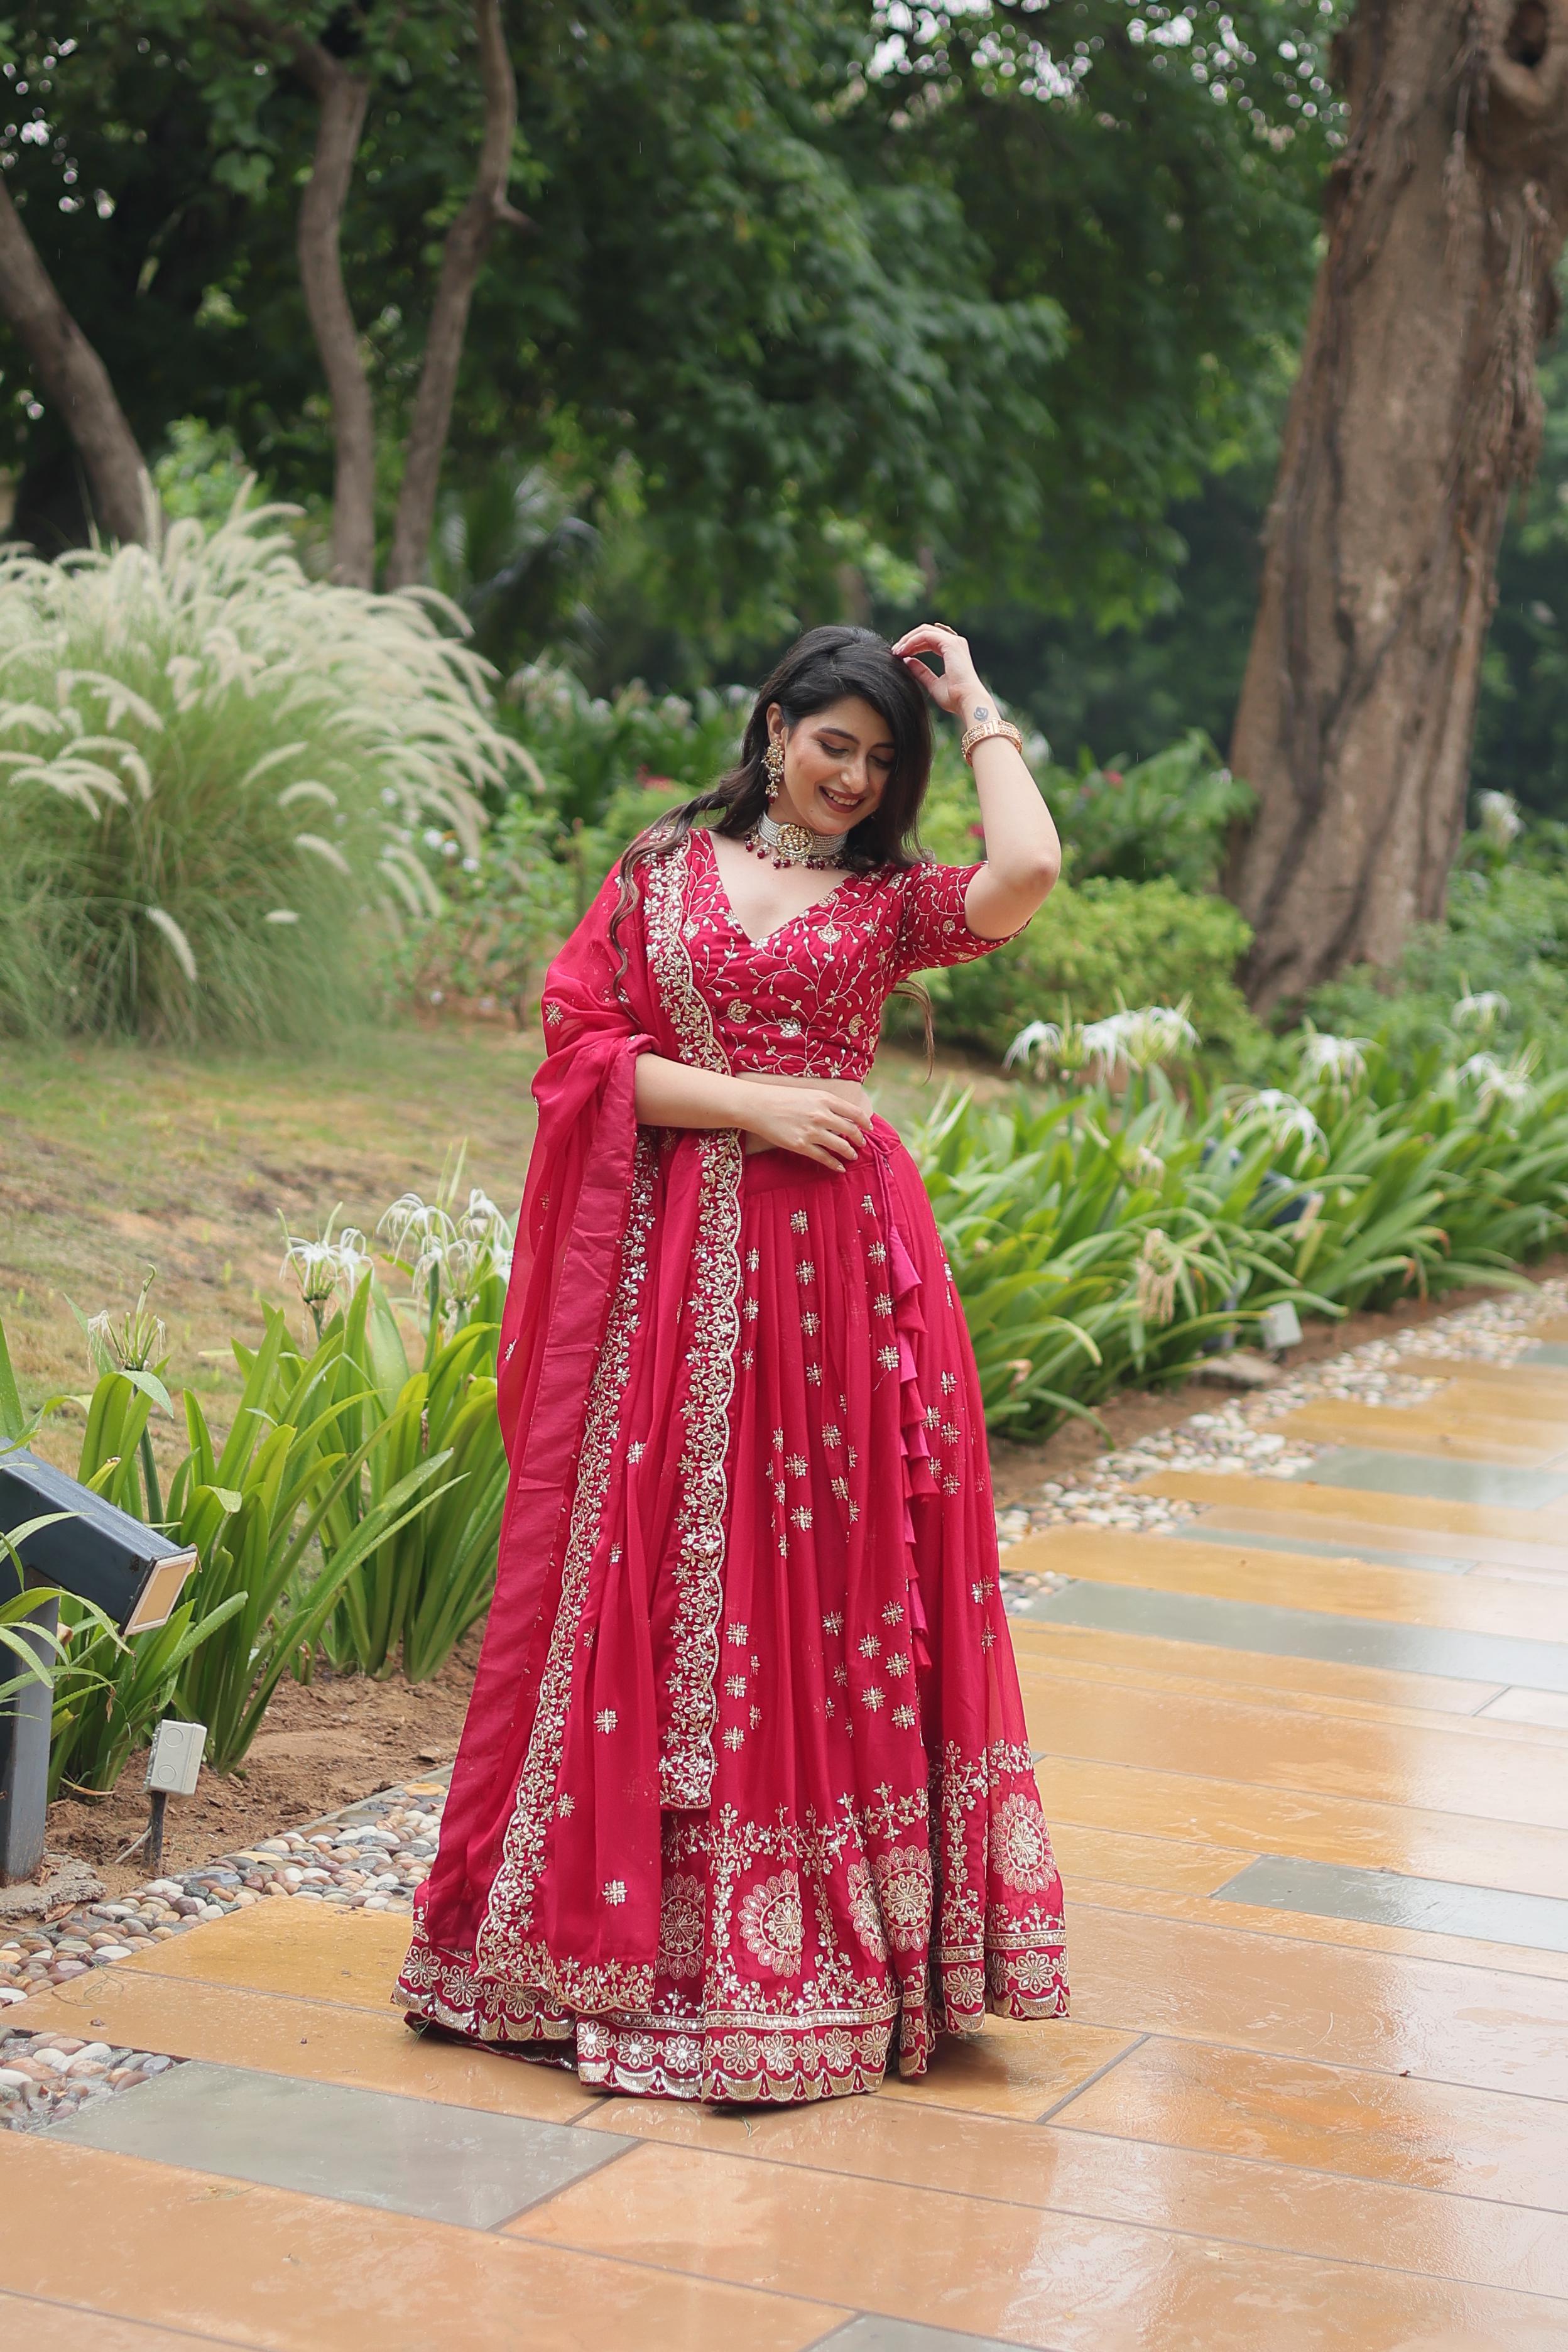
(822,1124)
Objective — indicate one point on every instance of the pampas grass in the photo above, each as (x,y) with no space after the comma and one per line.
(218,783)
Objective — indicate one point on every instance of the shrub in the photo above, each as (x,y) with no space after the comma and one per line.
(1165,816)
(1098,945)
(1505,934)
(589,749)
(214,773)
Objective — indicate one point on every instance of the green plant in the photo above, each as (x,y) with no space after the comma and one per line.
(214,774)
(1100,946)
(1166,816)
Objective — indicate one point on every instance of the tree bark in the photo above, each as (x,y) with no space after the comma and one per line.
(76,380)
(342,96)
(1414,415)
(462,259)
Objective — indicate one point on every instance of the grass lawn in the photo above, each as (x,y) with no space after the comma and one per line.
(114,1157)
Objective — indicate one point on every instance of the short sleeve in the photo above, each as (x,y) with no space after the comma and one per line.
(933,930)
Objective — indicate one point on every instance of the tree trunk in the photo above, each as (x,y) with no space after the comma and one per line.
(462,259)
(1414,415)
(76,380)
(342,96)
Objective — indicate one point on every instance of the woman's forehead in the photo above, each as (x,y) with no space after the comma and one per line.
(852,716)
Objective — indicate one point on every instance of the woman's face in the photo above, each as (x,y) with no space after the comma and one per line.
(837,765)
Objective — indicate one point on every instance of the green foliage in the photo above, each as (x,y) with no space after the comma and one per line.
(1100,945)
(1168,814)
(265,1585)
(852,297)
(589,749)
(1097,1239)
(1089,1251)
(1505,934)
(213,775)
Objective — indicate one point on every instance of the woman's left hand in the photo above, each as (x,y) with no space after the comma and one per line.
(958,688)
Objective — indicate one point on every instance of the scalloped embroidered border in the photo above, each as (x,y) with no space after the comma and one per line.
(499,1945)
(687,1755)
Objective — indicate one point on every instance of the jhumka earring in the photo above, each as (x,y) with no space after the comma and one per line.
(773,769)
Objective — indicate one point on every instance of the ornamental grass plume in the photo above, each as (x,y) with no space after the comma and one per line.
(213,775)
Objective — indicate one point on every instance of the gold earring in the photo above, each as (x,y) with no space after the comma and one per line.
(773,769)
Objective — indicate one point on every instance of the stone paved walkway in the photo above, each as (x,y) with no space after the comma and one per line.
(1303,1740)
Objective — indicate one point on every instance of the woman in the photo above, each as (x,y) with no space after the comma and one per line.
(743,1805)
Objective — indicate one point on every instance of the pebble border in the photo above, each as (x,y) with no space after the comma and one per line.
(1235,1436)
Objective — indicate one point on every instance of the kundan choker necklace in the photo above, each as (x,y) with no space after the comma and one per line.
(794,844)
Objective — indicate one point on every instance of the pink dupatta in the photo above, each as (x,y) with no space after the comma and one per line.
(616,1366)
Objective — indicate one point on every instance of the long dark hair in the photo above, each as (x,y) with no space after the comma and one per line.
(827,665)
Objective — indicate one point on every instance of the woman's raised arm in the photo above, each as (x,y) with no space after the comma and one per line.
(1023,853)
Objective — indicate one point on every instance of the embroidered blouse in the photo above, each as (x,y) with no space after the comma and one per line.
(807,1001)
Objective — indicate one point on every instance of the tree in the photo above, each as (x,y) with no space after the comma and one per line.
(74,377)
(1414,415)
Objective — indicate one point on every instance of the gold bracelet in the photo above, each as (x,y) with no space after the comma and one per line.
(982,732)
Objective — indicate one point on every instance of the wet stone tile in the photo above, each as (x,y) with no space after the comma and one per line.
(1387,1898)
(361,2147)
(1370,1469)
(1275,1632)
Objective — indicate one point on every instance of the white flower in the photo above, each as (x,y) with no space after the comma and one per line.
(1041,1041)
(325,1268)
(1337,1062)
(1286,1119)
(1158,1265)
(1481,1011)
(1142,1038)
(1496,1082)
(1501,822)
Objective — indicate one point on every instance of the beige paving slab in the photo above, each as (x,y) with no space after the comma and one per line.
(1414,1840)
(1361,1504)
(1347,1688)
(1477,1604)
(1488,1722)
(349,1957)
(1044,2278)
(1330,2118)
(58,2327)
(362,2048)
(1307,1926)
(1276,1519)
(1383,2011)
(1224,1737)
(1193,2191)
(268,2268)
(1440,1430)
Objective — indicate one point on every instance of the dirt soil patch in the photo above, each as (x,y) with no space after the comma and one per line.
(324,1745)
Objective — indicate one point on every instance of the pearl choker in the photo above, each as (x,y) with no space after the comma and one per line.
(794,844)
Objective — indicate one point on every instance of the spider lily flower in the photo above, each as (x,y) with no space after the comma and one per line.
(1501,822)
(1043,1042)
(1481,1011)
(138,1341)
(1336,1062)
(325,1269)
(1142,1038)
(1287,1119)
(1498,1082)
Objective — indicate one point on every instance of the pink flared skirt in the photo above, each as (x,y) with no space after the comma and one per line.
(873,1868)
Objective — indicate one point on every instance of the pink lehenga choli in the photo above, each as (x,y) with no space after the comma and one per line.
(744,1806)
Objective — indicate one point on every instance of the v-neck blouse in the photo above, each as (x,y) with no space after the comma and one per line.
(806,1002)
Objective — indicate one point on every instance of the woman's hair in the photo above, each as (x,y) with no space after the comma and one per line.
(827,665)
